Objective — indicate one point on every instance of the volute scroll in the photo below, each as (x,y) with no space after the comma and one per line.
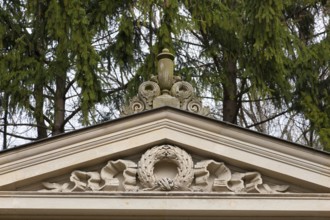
(165,90)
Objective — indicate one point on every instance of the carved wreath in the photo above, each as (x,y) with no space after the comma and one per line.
(205,175)
(166,153)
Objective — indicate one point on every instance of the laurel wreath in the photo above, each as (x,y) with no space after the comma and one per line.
(166,153)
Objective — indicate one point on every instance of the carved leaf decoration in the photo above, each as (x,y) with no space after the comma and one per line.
(172,154)
(147,92)
(206,175)
(180,90)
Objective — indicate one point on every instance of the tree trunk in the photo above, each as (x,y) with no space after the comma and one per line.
(39,48)
(59,117)
(5,121)
(39,111)
(230,102)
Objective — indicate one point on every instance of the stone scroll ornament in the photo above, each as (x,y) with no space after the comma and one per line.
(203,176)
(165,90)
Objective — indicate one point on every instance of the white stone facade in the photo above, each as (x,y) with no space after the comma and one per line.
(164,163)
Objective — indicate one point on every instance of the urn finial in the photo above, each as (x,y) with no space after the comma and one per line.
(166,90)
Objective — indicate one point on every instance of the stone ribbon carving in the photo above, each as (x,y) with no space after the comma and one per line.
(165,90)
(226,181)
(203,172)
(95,181)
(205,176)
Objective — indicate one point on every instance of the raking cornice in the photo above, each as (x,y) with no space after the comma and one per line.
(166,125)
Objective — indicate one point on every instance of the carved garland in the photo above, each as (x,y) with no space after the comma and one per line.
(206,176)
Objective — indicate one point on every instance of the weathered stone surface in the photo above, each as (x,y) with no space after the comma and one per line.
(165,90)
(165,70)
(236,172)
(203,176)
(166,100)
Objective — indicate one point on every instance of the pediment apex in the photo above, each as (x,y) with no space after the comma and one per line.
(196,134)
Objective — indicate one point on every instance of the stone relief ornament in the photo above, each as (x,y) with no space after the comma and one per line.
(166,168)
(144,100)
(135,106)
(226,181)
(169,154)
(165,90)
(96,181)
(148,91)
(206,169)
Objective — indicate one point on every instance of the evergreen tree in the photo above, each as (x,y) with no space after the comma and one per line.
(46,52)
(61,57)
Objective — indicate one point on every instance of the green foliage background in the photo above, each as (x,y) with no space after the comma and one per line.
(62,60)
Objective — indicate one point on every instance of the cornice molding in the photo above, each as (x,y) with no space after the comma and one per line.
(303,206)
(138,132)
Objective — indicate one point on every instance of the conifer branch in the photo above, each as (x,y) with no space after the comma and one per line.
(73,113)
(24,124)
(19,136)
(44,116)
(268,119)
(68,86)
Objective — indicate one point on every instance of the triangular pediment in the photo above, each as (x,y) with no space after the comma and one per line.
(164,168)
(164,159)
(214,157)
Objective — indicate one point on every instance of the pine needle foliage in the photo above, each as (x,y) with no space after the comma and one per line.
(60,59)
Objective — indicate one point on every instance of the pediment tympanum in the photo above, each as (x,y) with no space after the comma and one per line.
(167,163)
(166,168)
(208,139)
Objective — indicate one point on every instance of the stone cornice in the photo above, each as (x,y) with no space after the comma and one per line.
(138,132)
(303,206)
